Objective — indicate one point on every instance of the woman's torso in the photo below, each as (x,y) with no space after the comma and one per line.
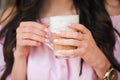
(42,64)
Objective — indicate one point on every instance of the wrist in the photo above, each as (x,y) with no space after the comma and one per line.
(101,72)
(17,56)
(101,64)
(102,69)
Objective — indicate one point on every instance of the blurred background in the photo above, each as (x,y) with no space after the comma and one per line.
(5,4)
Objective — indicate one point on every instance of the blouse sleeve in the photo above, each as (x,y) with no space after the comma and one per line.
(2,62)
(117,52)
(116,24)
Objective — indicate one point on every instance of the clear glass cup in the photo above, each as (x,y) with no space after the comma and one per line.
(60,23)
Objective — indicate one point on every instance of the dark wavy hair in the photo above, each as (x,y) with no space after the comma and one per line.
(92,14)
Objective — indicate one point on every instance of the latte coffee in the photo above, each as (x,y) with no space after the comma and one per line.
(60,23)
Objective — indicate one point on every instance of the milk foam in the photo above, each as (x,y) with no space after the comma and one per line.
(59,23)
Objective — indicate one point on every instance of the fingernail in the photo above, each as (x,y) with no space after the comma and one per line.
(59,51)
(46,36)
(55,40)
(46,30)
(46,40)
(69,24)
(58,32)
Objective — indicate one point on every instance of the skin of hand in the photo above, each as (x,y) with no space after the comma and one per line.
(29,34)
(87,48)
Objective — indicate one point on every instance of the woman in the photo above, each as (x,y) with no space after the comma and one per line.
(27,57)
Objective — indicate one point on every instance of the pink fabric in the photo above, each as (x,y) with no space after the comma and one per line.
(42,64)
(116,23)
(2,63)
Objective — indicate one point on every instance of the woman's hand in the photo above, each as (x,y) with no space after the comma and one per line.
(86,48)
(29,34)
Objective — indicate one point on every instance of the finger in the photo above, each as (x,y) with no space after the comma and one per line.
(66,53)
(74,52)
(33,24)
(29,43)
(68,42)
(71,35)
(31,30)
(79,27)
(30,36)
(45,24)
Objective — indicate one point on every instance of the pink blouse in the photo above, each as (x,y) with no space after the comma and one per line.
(42,64)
